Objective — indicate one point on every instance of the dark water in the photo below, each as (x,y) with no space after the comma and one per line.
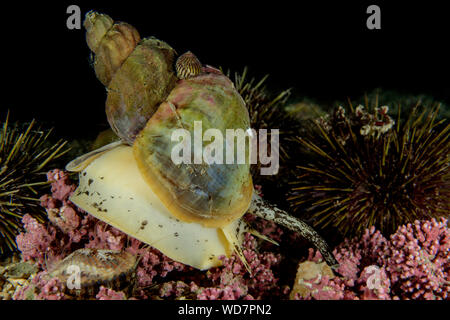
(322,50)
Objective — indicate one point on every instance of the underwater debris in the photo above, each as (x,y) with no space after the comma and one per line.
(362,170)
(14,275)
(413,264)
(25,156)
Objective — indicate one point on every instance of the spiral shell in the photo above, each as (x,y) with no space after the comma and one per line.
(138,73)
(111,42)
(188,66)
(143,81)
(96,25)
(97,267)
(191,211)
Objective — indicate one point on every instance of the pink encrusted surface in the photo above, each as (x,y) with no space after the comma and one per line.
(413,264)
(109,294)
(70,228)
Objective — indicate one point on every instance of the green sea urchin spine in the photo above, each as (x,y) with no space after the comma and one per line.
(367,171)
(25,156)
(267,111)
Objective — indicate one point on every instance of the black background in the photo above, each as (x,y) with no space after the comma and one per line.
(322,50)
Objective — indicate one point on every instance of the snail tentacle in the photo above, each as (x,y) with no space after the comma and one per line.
(266,211)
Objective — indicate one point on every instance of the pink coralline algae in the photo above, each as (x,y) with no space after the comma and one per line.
(69,229)
(233,281)
(41,288)
(37,242)
(109,294)
(413,264)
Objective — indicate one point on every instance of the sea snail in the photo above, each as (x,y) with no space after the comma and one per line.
(189,211)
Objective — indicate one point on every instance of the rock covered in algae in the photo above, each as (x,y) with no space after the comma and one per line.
(412,264)
(95,267)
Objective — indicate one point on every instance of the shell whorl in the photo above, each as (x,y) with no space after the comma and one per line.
(188,66)
(112,42)
(96,25)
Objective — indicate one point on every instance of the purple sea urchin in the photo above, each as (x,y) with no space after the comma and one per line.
(368,171)
(25,156)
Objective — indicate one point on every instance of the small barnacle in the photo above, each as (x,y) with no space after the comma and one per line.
(188,66)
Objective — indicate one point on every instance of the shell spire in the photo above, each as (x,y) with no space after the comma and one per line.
(112,42)
(188,66)
(96,25)
(138,74)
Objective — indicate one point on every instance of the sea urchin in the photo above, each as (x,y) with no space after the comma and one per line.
(267,111)
(368,170)
(25,155)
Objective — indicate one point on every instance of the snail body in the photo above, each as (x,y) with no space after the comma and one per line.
(148,99)
(112,189)
(189,211)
